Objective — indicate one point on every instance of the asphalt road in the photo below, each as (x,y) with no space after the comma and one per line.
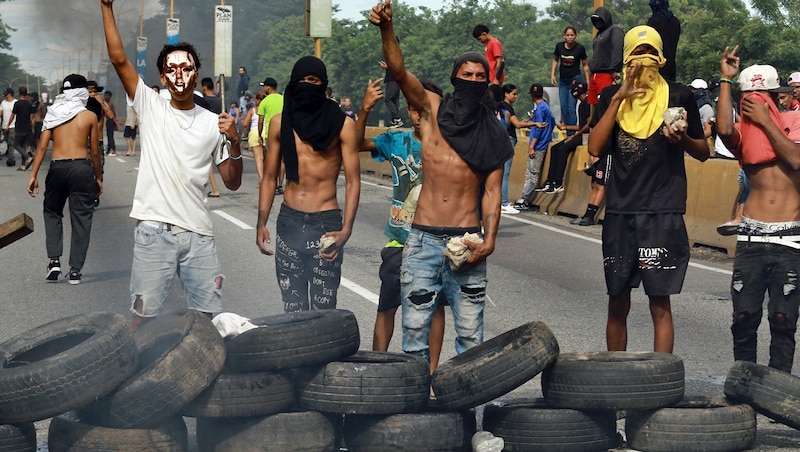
(542,269)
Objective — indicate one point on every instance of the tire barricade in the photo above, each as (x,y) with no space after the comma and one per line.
(362,400)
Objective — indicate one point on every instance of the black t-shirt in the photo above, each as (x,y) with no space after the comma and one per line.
(648,176)
(94,106)
(349,111)
(214,104)
(22,109)
(512,131)
(569,60)
(584,113)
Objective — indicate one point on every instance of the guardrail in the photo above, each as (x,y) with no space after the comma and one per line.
(712,187)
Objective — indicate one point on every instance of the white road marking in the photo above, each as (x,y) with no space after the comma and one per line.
(359,290)
(232,219)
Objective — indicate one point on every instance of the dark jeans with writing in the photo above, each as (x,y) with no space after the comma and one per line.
(306,280)
(760,268)
(73,180)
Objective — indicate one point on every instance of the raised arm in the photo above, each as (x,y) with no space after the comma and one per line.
(601,132)
(116,52)
(728,68)
(381,15)
(373,94)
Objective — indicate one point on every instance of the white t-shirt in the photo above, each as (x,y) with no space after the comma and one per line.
(130,116)
(178,148)
(8,107)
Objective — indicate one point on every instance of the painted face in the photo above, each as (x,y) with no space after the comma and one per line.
(180,71)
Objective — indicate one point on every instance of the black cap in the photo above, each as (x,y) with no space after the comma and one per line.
(73,81)
(536,90)
(271,82)
(578,88)
(93,84)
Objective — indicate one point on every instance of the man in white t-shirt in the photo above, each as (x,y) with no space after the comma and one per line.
(180,141)
(6,109)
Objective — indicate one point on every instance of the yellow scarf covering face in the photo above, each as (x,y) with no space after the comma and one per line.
(642,114)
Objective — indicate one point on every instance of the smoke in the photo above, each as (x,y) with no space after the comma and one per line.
(56,36)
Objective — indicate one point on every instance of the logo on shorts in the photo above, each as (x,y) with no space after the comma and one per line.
(654,258)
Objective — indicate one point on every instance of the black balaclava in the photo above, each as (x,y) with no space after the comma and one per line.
(467,121)
(308,112)
(661,8)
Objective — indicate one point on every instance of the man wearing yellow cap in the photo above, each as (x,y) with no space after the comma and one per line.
(644,236)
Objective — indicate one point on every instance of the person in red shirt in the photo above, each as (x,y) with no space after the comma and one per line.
(493,52)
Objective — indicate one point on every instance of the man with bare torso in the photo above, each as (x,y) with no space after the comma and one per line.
(71,175)
(767,145)
(464,146)
(314,139)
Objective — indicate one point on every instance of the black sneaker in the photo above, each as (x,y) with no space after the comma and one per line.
(582,221)
(279,190)
(553,189)
(53,270)
(74,277)
(395,123)
(544,188)
(523,206)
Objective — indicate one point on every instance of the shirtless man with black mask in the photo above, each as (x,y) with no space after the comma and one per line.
(464,146)
(314,139)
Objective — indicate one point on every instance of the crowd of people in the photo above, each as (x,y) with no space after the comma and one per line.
(640,125)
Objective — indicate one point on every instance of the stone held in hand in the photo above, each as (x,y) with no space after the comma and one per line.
(675,117)
(457,252)
(326,243)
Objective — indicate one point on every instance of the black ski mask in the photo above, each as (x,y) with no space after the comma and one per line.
(468,122)
(308,112)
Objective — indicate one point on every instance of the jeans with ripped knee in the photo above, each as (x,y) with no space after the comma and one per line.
(425,272)
(760,268)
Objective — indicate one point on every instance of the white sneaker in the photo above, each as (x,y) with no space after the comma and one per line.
(509,209)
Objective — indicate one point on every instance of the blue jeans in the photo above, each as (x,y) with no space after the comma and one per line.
(425,273)
(507,172)
(567,102)
(162,250)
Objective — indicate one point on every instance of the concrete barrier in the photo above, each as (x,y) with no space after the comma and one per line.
(711,188)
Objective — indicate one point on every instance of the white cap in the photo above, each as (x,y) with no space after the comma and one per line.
(759,77)
(699,83)
(794,78)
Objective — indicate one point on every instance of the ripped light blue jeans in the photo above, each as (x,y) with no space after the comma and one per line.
(425,272)
(161,251)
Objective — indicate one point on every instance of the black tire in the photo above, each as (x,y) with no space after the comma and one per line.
(18,438)
(367,383)
(610,381)
(68,434)
(295,339)
(180,354)
(306,431)
(237,395)
(63,365)
(701,424)
(533,425)
(772,392)
(495,367)
(419,432)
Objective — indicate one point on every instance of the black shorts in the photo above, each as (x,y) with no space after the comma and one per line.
(130,132)
(389,272)
(648,248)
(600,170)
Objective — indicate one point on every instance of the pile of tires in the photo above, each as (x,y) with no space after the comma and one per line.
(299,382)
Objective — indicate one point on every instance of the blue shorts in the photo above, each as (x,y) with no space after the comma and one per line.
(425,273)
(161,251)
